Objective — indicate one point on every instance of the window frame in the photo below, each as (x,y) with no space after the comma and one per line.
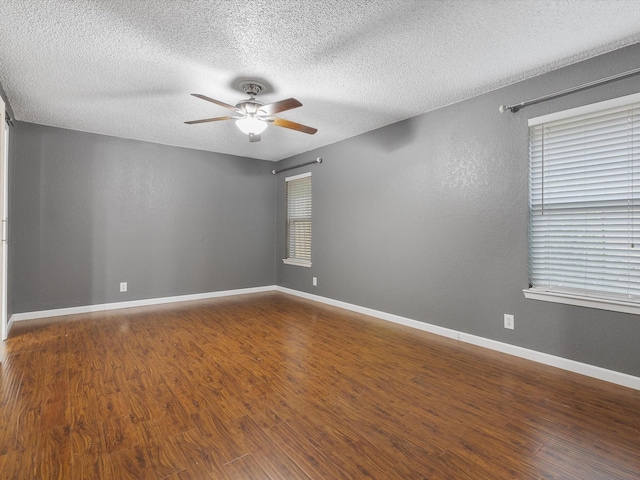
(588,299)
(300,262)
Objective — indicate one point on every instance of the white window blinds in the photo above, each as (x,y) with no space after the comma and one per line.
(298,236)
(584,199)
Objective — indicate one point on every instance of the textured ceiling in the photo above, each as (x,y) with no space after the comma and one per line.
(126,67)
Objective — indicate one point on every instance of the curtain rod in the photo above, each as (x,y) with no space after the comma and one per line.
(514,108)
(317,160)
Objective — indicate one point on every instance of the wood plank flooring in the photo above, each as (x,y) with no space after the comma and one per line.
(269,386)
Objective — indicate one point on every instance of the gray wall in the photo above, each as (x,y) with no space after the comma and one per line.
(89,211)
(427,219)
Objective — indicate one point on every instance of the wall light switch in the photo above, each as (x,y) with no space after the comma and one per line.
(315,281)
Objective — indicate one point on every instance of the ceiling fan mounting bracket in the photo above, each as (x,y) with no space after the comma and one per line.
(251,87)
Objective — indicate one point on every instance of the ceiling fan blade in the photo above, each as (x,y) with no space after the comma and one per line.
(217,102)
(253,137)
(205,120)
(281,122)
(281,106)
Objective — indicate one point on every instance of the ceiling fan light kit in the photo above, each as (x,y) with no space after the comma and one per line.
(251,125)
(252,116)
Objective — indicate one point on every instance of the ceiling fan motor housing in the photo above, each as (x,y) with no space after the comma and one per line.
(250,106)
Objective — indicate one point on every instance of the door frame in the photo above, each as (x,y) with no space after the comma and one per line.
(4,161)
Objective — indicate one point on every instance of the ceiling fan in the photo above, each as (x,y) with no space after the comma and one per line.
(252,116)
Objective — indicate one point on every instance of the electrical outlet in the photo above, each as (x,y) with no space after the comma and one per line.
(508,321)
(123,286)
(315,281)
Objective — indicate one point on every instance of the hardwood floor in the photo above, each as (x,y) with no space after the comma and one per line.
(269,386)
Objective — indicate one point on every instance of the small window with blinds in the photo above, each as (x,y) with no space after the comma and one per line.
(584,206)
(298,233)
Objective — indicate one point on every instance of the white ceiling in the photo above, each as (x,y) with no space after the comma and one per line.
(126,67)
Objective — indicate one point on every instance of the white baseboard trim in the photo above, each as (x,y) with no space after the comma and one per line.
(570,365)
(17,317)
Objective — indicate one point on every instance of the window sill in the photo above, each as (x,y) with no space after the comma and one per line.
(582,301)
(299,263)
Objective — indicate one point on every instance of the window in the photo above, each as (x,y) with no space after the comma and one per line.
(584,206)
(298,235)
